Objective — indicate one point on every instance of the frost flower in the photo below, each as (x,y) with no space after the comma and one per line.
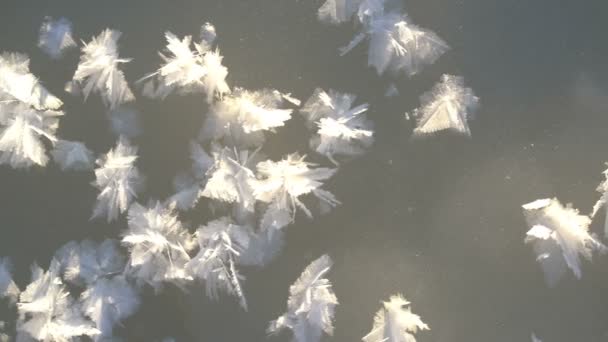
(158,246)
(241,118)
(448,106)
(283,182)
(342,130)
(560,236)
(220,244)
(98,70)
(118,180)
(395,322)
(311,304)
(397,45)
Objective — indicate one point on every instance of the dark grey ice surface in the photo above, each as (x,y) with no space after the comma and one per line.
(438,220)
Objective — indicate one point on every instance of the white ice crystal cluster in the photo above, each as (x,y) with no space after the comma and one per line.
(396,45)
(560,237)
(47,311)
(281,184)
(29,114)
(8,288)
(242,118)
(99,71)
(98,268)
(230,180)
(83,263)
(342,130)
(311,304)
(448,106)
(395,322)
(158,246)
(221,243)
(117,179)
(189,67)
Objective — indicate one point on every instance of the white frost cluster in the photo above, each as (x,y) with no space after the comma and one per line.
(220,244)
(109,301)
(230,180)
(83,263)
(396,44)
(21,143)
(72,155)
(19,85)
(342,130)
(311,304)
(189,71)
(56,37)
(395,322)
(448,106)
(117,179)
(98,70)
(241,118)
(47,312)
(281,184)
(560,236)
(97,268)
(158,246)
(29,114)
(8,288)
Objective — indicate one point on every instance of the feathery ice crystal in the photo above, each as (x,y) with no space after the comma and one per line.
(342,130)
(83,263)
(47,312)
(448,106)
(158,245)
(8,288)
(397,45)
(395,322)
(188,71)
(221,243)
(311,304)
(118,180)
(19,85)
(183,69)
(230,179)
(560,237)
(108,301)
(20,137)
(282,184)
(28,112)
(98,70)
(241,118)
(56,37)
